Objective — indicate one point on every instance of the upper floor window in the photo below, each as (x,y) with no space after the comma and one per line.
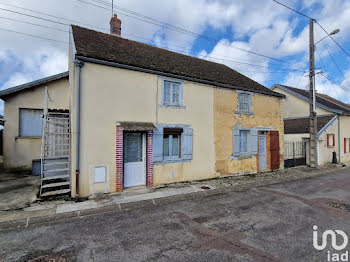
(244,103)
(30,122)
(172,93)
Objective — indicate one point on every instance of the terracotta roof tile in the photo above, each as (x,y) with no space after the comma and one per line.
(302,125)
(110,48)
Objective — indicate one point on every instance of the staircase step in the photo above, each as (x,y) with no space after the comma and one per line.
(67,183)
(56,192)
(57,170)
(55,157)
(55,177)
(56,163)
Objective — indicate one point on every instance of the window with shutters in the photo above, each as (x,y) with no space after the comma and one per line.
(244,103)
(172,143)
(245,142)
(30,122)
(172,93)
(330,140)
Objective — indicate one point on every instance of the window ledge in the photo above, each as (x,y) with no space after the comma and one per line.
(241,157)
(173,106)
(28,137)
(171,161)
(243,113)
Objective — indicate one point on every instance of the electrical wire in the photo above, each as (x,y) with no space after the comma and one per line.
(175,28)
(292,9)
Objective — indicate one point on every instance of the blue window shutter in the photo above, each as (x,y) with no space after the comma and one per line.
(187,143)
(236,138)
(253,141)
(182,94)
(158,144)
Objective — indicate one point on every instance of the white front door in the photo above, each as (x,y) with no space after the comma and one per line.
(134,159)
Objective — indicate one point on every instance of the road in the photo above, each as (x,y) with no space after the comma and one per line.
(271,223)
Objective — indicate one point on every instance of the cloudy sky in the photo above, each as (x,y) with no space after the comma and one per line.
(259,26)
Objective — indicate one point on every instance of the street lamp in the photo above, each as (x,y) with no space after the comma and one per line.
(336,31)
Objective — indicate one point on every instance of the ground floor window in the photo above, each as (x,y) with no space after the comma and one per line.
(330,140)
(172,143)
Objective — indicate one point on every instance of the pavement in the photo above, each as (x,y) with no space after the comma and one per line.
(20,203)
(251,223)
(17,190)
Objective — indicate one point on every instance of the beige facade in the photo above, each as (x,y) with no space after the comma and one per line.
(19,152)
(293,106)
(124,95)
(263,117)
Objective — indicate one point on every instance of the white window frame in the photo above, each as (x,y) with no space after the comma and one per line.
(170,156)
(180,104)
(249,102)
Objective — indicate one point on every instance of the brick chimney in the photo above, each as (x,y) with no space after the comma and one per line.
(116,25)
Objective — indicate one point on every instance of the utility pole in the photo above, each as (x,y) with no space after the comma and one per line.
(313,114)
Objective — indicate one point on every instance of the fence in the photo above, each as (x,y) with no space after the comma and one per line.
(294,153)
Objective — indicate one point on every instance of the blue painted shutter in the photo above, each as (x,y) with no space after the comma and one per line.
(158,144)
(250,103)
(187,143)
(253,141)
(236,138)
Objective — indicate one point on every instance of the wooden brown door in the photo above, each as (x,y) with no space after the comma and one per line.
(275,150)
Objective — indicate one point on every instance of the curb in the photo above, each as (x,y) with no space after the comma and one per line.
(116,208)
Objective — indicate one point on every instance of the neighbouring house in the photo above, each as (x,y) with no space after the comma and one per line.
(145,116)
(23,112)
(333,123)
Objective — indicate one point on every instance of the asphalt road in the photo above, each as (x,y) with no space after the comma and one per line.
(272,223)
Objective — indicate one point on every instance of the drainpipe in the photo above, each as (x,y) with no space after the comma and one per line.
(339,140)
(78,64)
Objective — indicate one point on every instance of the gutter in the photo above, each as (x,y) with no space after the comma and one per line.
(150,71)
(78,65)
(339,140)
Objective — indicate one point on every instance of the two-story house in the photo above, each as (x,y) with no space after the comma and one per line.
(144,116)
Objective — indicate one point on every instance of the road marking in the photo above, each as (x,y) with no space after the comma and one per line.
(27,222)
(154,203)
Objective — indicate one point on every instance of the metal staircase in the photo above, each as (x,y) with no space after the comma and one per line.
(55,153)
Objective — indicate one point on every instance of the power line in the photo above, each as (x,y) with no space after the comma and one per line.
(292,9)
(41,37)
(50,15)
(334,83)
(175,28)
(2,17)
(52,21)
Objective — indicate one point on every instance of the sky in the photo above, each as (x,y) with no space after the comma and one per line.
(223,30)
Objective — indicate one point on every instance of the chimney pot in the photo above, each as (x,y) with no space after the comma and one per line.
(116,25)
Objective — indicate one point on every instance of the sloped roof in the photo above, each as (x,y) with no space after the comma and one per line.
(105,47)
(12,90)
(302,125)
(327,102)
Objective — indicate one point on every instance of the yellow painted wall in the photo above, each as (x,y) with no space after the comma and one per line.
(294,106)
(20,151)
(266,114)
(110,95)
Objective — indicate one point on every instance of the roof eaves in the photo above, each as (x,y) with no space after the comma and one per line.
(145,70)
(327,125)
(41,81)
(307,99)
